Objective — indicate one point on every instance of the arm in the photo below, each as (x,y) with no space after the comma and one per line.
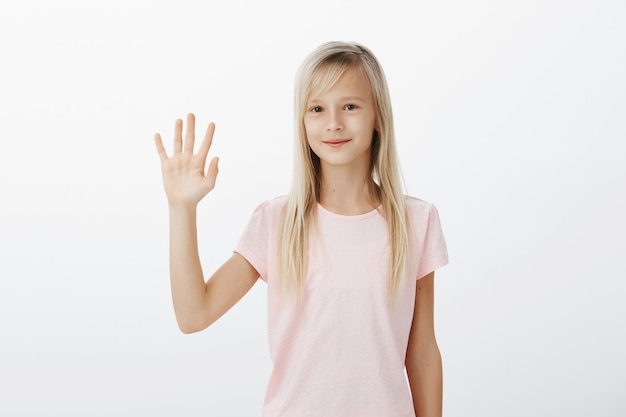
(423,359)
(197,303)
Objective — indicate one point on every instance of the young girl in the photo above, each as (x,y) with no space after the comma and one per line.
(348,259)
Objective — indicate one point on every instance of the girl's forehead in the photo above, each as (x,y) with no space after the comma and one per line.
(326,80)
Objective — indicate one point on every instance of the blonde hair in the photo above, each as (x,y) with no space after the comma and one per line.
(319,72)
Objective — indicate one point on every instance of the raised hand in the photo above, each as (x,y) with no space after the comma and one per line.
(184,177)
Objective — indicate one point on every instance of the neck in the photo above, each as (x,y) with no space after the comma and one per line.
(344,191)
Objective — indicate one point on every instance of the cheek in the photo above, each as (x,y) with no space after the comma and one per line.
(310,127)
(308,133)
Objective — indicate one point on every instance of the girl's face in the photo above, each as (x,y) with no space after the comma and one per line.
(340,122)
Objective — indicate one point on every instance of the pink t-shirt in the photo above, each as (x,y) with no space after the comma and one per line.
(341,352)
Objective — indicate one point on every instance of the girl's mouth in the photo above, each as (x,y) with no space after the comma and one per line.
(336,143)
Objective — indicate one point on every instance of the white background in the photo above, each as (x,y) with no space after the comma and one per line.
(510,118)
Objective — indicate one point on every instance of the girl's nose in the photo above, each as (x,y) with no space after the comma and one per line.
(334,121)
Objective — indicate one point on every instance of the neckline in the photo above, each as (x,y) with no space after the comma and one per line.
(362,216)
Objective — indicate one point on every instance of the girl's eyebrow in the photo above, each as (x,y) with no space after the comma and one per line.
(341,99)
(352,98)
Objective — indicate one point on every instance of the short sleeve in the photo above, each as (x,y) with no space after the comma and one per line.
(434,251)
(257,242)
(254,242)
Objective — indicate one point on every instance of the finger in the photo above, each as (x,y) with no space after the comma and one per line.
(178,136)
(207,141)
(160,148)
(213,167)
(190,133)
(211,174)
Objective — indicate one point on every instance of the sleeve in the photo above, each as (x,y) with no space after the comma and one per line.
(254,242)
(434,252)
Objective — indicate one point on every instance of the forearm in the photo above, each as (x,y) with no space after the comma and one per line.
(186,277)
(425,373)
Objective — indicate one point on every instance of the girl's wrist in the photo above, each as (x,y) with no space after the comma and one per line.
(182,207)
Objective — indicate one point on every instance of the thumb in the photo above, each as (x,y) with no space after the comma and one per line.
(213,167)
(211,174)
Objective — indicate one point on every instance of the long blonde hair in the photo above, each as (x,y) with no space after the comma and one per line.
(319,72)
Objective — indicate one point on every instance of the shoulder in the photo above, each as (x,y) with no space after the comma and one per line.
(269,210)
(273,205)
(277,202)
(421,214)
(416,206)
(264,220)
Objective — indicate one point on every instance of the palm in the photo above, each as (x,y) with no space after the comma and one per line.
(184,177)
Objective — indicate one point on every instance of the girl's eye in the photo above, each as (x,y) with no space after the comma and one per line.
(316,109)
(350,107)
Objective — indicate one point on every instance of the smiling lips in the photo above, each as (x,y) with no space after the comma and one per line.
(336,143)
